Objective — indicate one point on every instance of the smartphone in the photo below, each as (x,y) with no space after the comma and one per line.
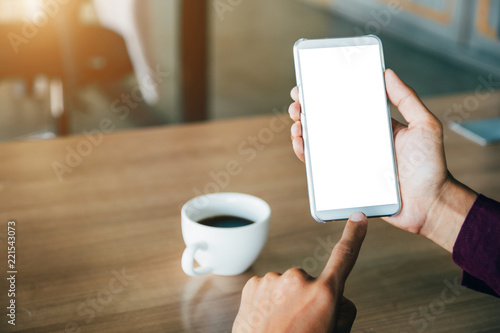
(346,127)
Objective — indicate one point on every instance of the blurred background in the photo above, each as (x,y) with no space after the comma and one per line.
(65,65)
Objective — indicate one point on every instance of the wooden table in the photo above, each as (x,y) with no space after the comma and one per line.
(99,251)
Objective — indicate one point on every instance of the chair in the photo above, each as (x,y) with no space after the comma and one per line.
(129,18)
(62,49)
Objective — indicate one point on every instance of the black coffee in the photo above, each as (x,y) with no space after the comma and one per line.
(225,221)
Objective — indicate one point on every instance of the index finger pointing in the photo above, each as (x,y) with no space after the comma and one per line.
(345,253)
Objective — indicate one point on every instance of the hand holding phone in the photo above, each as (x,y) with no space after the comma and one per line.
(433,202)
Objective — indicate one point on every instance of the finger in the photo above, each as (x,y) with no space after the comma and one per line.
(406,100)
(294,111)
(346,251)
(251,285)
(296,129)
(297,272)
(346,314)
(298,148)
(295,94)
(295,277)
(271,276)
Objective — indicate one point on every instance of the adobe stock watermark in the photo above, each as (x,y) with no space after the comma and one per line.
(321,253)
(422,151)
(459,112)
(94,305)
(425,315)
(259,313)
(248,149)
(39,19)
(381,18)
(121,108)
(223,6)
(265,308)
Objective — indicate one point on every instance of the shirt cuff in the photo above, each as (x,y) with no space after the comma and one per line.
(476,249)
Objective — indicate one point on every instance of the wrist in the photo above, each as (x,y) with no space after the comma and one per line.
(447,213)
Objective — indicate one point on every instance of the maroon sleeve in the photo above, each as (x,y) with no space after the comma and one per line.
(477,249)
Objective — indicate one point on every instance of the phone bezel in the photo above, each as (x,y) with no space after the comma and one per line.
(344,213)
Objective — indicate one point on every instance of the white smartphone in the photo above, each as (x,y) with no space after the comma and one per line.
(346,127)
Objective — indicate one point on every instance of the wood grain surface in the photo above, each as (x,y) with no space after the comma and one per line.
(99,250)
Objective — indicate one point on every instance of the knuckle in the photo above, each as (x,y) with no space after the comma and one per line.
(433,124)
(251,285)
(345,248)
(429,119)
(271,276)
(437,125)
(295,271)
(411,94)
(296,276)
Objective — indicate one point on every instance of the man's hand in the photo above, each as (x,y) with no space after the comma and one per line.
(433,203)
(296,302)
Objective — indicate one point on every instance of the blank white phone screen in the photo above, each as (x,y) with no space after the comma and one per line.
(348,130)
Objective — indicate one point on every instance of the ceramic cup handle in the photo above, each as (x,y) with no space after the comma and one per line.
(188,260)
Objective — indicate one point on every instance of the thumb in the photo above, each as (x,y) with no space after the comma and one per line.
(406,100)
(346,313)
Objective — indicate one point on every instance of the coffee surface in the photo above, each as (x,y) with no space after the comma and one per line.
(225,221)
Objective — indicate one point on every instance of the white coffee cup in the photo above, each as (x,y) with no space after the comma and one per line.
(223,251)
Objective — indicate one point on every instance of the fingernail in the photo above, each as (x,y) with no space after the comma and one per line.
(357,217)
